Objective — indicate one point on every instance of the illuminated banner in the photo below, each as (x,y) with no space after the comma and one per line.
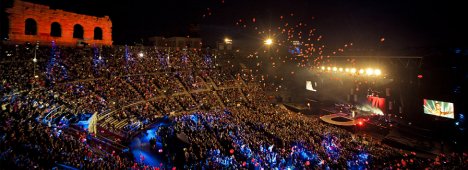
(377,102)
(439,108)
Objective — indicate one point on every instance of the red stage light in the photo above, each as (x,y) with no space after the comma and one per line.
(360,123)
(420,76)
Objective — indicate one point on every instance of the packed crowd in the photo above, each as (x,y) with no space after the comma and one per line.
(268,136)
(226,116)
(128,92)
(28,144)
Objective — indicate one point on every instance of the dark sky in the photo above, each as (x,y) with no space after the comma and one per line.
(402,23)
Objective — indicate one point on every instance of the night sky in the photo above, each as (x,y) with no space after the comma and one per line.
(402,23)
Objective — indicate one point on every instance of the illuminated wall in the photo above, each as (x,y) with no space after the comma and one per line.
(56,25)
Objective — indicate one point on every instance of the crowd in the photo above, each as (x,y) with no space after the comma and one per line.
(268,136)
(206,100)
(225,114)
(28,144)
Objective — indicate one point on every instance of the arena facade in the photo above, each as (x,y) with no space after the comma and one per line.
(29,22)
(67,105)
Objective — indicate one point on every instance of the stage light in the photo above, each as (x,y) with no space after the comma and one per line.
(353,70)
(329,68)
(334,68)
(360,123)
(369,71)
(340,69)
(268,41)
(347,70)
(140,54)
(377,72)
(420,76)
(35,59)
(323,68)
(361,71)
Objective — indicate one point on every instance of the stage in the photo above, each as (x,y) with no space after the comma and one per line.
(340,119)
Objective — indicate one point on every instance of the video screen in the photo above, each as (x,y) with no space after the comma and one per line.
(439,108)
(309,86)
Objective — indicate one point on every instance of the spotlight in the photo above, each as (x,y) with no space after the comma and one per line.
(227,41)
(334,68)
(329,68)
(377,72)
(353,70)
(347,70)
(369,71)
(140,54)
(340,69)
(268,41)
(323,68)
(361,71)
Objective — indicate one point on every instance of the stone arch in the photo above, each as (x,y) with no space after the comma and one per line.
(4,24)
(30,27)
(98,33)
(78,31)
(55,30)
(17,26)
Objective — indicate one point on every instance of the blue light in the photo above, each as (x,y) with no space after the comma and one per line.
(184,58)
(330,147)
(127,55)
(140,147)
(363,156)
(97,60)
(194,118)
(457,123)
(208,60)
(55,64)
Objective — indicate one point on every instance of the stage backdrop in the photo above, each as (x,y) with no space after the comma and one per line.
(377,102)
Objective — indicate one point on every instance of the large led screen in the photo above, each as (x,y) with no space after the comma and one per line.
(439,108)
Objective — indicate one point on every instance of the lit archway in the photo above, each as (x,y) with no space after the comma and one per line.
(97,33)
(78,31)
(55,30)
(30,27)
